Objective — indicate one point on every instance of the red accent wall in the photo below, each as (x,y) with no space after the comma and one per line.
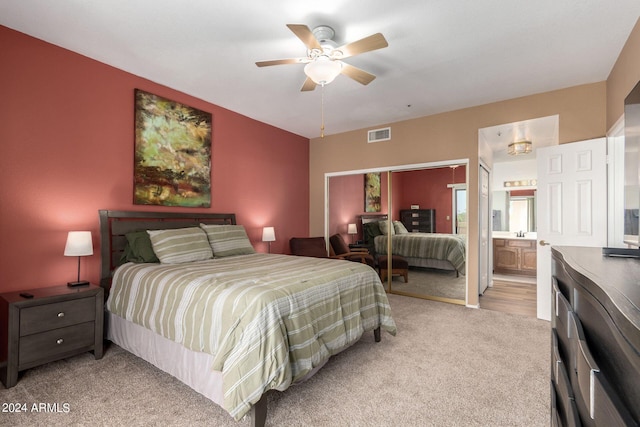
(66,151)
(346,203)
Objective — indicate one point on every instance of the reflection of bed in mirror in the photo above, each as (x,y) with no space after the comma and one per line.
(429,250)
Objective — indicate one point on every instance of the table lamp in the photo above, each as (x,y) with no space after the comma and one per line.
(79,244)
(353,230)
(268,235)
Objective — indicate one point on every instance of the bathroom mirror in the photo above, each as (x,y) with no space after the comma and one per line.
(514,211)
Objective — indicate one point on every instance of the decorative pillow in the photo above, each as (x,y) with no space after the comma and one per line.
(370,231)
(227,240)
(139,248)
(175,246)
(384,228)
(399,228)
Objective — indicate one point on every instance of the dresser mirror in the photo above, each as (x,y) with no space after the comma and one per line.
(439,189)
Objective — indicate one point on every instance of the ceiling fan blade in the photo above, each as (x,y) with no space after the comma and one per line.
(308,85)
(304,33)
(357,74)
(373,42)
(280,62)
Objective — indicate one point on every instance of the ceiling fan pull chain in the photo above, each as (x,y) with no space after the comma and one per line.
(322,111)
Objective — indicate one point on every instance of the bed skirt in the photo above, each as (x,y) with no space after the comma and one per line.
(191,367)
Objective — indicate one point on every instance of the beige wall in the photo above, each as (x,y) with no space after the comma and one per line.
(585,112)
(624,76)
(448,136)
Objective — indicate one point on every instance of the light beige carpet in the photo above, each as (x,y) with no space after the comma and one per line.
(432,282)
(448,366)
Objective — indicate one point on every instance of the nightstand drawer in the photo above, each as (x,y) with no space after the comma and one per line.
(58,315)
(58,341)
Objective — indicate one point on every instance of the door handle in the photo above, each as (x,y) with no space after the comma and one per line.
(543,243)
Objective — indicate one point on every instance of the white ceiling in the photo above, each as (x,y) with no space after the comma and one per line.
(443,54)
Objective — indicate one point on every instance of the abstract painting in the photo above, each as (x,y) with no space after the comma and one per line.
(372,192)
(172,160)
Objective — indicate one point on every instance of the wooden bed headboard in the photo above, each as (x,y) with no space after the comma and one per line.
(115,224)
(364,219)
(367,218)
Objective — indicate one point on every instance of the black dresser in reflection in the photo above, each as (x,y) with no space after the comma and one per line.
(595,351)
(419,220)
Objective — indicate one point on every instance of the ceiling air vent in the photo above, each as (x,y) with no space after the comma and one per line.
(377,135)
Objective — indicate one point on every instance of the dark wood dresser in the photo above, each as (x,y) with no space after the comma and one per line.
(53,324)
(419,220)
(595,356)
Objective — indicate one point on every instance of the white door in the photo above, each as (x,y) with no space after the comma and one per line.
(572,205)
(484,230)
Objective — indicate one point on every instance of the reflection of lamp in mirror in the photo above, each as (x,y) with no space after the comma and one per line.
(352,230)
(79,244)
(268,235)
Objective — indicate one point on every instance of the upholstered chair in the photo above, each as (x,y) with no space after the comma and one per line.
(341,249)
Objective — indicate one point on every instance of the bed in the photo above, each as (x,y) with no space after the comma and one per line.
(430,250)
(238,324)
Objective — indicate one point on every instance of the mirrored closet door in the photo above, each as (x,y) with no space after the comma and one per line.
(418,215)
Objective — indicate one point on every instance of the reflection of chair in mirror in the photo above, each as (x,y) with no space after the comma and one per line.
(341,249)
(399,266)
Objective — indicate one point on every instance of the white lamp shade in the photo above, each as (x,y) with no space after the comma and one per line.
(79,243)
(352,229)
(268,234)
(323,70)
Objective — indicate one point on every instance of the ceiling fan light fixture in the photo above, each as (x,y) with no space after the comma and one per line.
(519,147)
(323,70)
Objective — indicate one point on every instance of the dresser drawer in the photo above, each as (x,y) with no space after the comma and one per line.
(45,345)
(608,410)
(57,315)
(565,405)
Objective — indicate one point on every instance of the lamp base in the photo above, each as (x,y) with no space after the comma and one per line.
(76,284)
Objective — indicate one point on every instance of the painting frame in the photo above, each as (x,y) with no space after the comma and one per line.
(372,192)
(172,153)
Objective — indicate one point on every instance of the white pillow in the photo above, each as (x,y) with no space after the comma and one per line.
(175,246)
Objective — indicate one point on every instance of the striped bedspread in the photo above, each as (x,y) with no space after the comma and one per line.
(268,320)
(447,247)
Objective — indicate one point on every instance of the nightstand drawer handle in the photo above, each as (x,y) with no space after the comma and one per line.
(61,314)
(59,341)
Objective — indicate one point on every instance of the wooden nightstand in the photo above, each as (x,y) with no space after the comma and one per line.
(56,323)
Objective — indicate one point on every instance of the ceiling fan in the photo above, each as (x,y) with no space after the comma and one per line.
(324,57)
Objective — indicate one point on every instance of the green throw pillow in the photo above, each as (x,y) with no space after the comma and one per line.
(140,248)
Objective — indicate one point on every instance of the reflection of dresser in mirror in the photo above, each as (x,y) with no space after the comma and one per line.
(419,220)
